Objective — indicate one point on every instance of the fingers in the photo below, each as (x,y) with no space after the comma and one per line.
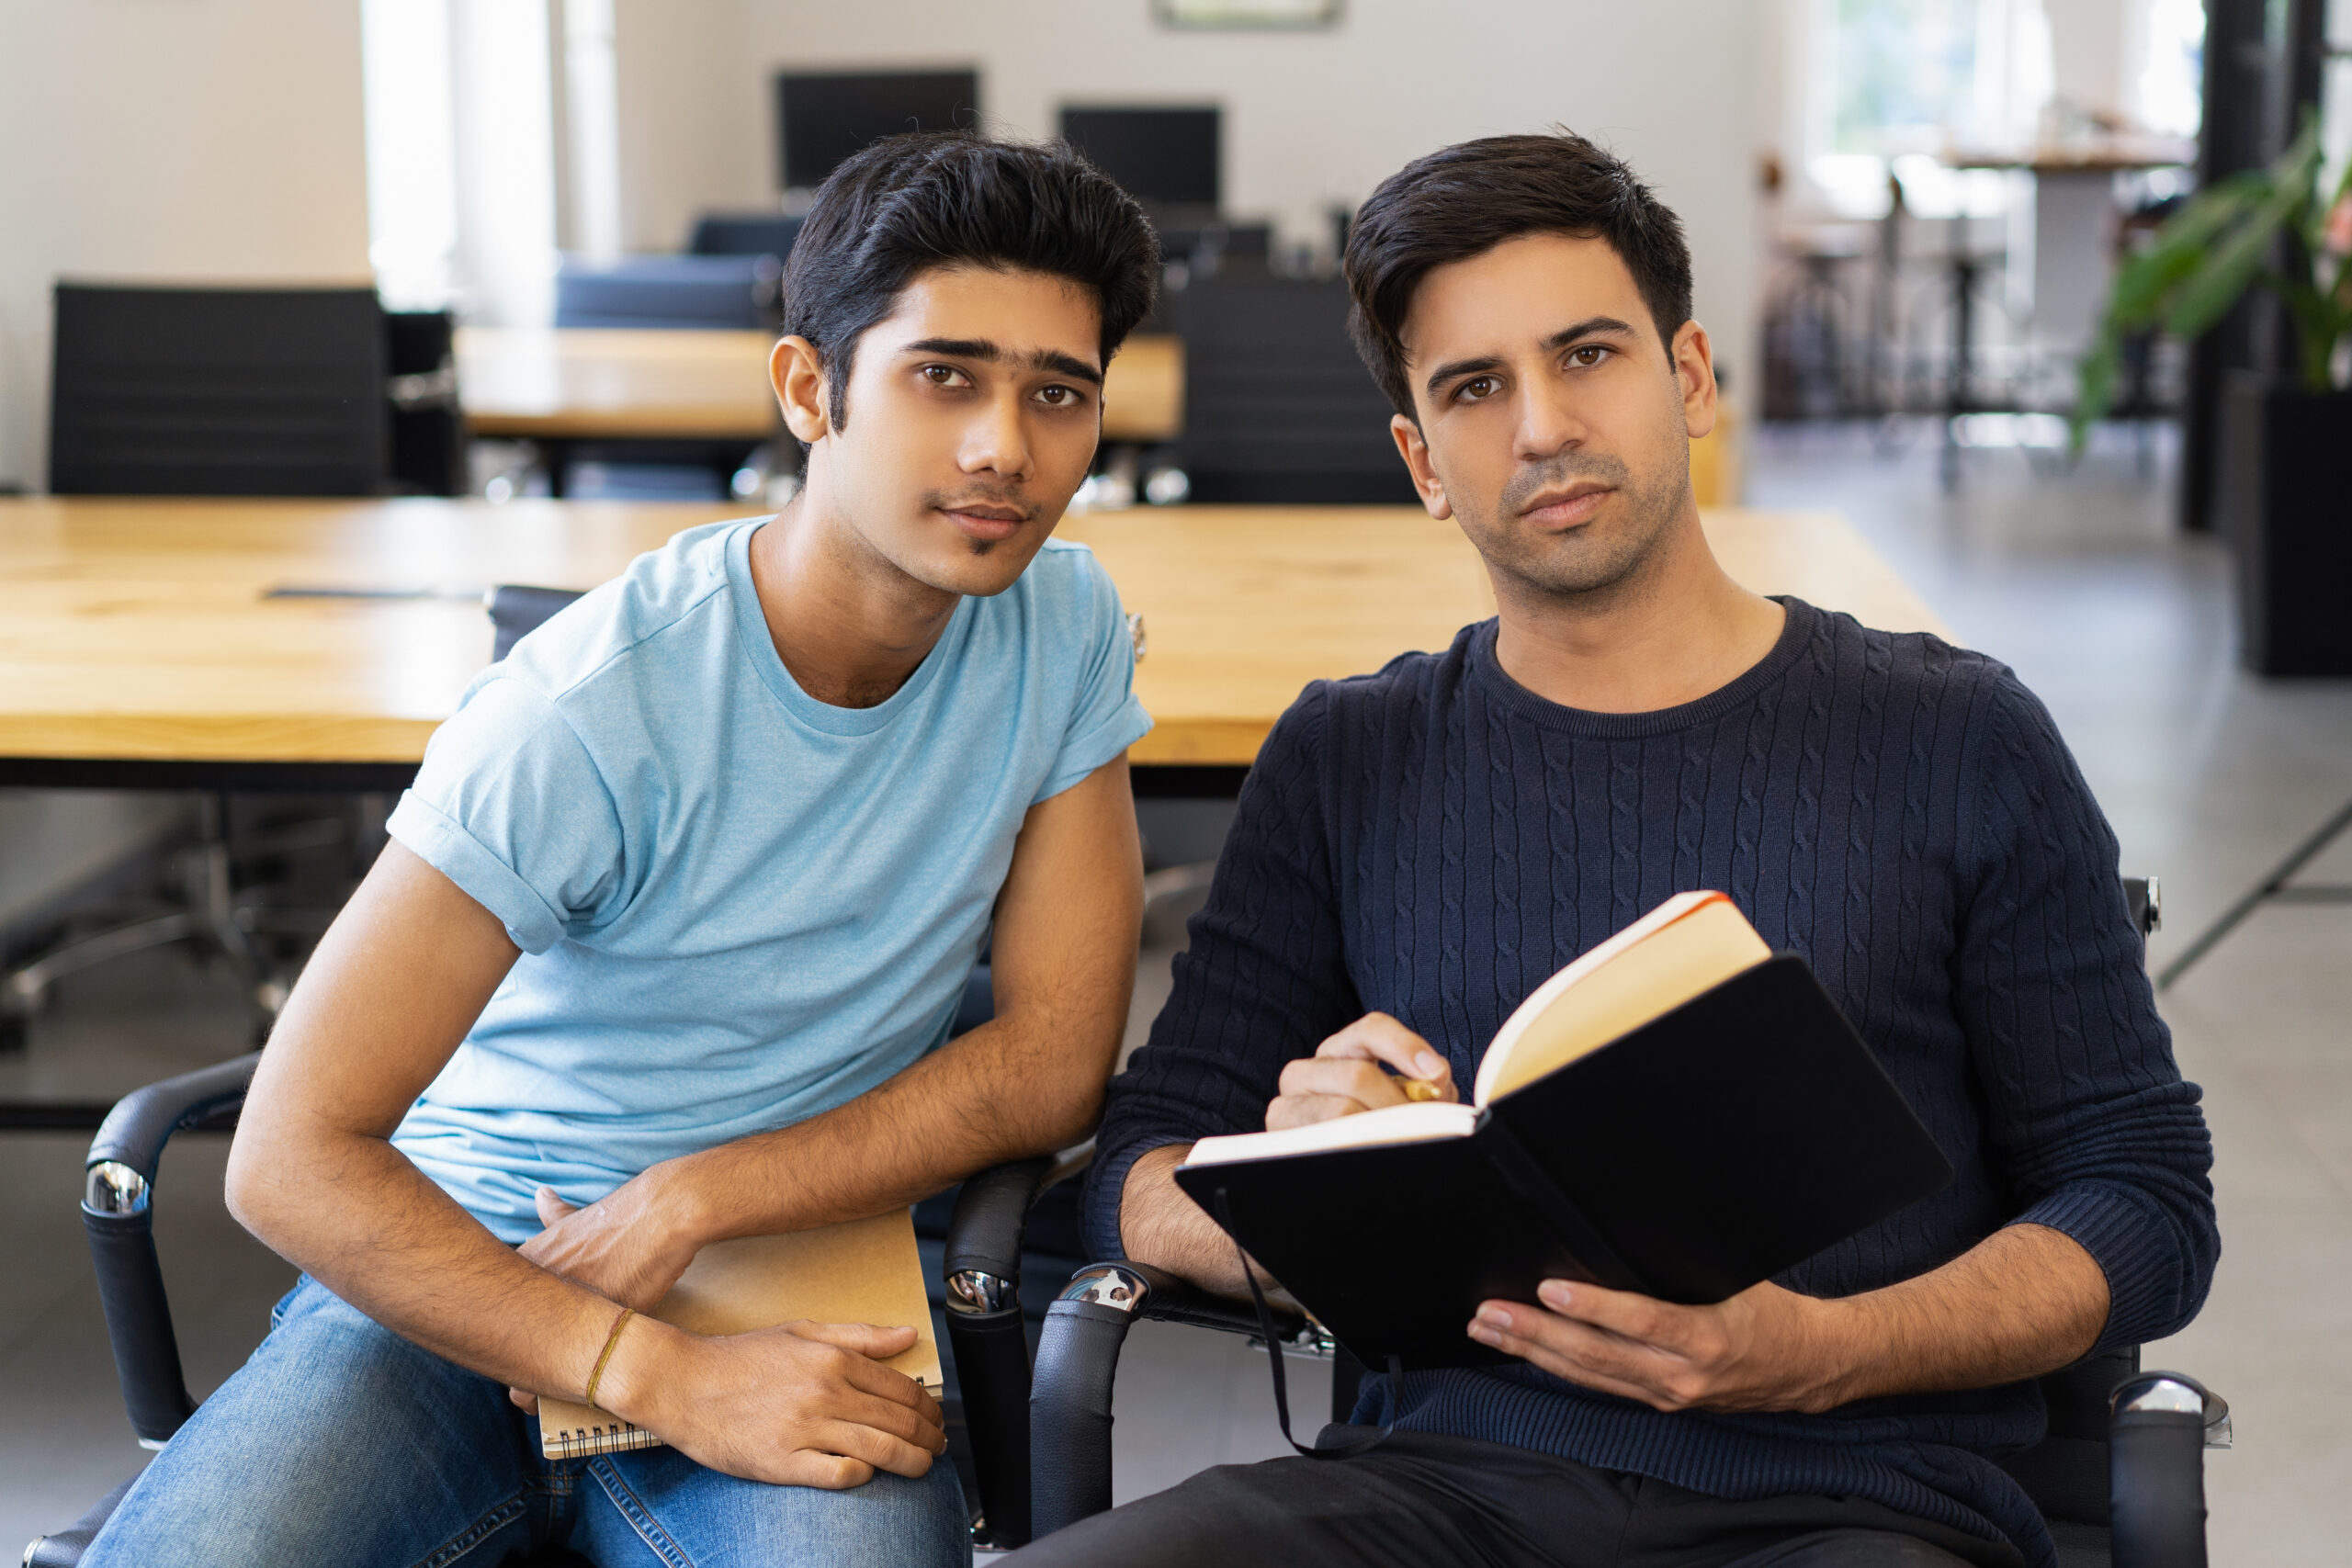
(923,1428)
(1376,1037)
(1304,1111)
(861,1368)
(830,1472)
(551,1208)
(1365,1082)
(880,1449)
(1580,1352)
(865,1338)
(1637,1317)
(524,1400)
(1576,1369)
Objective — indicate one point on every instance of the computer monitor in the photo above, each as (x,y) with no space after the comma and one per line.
(1165,158)
(824,117)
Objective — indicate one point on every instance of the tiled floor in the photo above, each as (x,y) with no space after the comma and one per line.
(2076,579)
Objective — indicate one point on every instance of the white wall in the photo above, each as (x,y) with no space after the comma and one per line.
(1311,119)
(193,140)
(208,141)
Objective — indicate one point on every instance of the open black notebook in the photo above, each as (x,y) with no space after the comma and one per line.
(1678,1113)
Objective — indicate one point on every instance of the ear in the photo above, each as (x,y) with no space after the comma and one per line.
(1415,449)
(797,371)
(1694,368)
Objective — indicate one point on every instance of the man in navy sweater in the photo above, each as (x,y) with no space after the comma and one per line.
(1418,848)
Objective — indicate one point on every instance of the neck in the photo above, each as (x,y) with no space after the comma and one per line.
(848,622)
(1670,632)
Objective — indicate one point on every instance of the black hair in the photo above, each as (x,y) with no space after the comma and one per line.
(906,204)
(1463,200)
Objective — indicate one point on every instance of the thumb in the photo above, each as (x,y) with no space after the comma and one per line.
(552,1208)
(865,1338)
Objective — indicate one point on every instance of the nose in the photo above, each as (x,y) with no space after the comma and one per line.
(1548,422)
(997,441)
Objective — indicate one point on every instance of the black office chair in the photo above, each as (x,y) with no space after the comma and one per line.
(974,1232)
(743,234)
(698,291)
(220,391)
(688,292)
(2120,1476)
(1278,409)
(217,391)
(428,426)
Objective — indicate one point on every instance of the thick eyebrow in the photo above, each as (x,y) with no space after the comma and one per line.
(1592,326)
(981,349)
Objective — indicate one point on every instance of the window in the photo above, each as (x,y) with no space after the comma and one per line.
(461,156)
(1908,79)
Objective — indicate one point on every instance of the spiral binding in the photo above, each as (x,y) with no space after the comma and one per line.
(583,1442)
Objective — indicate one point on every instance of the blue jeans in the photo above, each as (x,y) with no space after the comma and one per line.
(339,1442)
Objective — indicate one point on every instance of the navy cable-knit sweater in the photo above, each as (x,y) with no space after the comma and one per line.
(1435,841)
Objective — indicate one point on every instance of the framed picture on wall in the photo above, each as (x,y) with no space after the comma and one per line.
(1246,13)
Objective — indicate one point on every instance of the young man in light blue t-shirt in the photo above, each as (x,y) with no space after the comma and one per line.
(668,939)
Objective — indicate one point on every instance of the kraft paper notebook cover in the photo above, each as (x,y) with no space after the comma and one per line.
(1678,1113)
(859,1271)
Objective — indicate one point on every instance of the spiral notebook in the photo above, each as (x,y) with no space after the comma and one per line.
(859,1271)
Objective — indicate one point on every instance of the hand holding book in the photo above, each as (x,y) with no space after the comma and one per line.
(1352,1072)
(1675,1116)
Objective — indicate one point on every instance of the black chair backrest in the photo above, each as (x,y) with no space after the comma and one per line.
(515,610)
(667,291)
(1277,406)
(217,391)
(744,234)
(428,425)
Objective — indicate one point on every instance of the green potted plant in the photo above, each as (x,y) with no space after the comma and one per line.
(2286,467)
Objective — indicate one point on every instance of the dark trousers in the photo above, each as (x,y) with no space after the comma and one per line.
(1419,1499)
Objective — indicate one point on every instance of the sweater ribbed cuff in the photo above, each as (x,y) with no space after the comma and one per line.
(2131,1245)
(1107,1181)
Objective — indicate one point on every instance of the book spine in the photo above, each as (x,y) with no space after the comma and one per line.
(1533,1185)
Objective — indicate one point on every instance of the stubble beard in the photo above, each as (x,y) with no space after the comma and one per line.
(1599,558)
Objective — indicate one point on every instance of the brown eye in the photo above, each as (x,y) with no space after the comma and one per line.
(1588,355)
(941,375)
(1477,386)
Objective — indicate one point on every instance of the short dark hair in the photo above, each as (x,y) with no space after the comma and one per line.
(1463,200)
(908,203)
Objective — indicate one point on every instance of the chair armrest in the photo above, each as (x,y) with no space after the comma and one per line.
(1077,1361)
(988,1334)
(992,1214)
(2156,1470)
(117,1215)
(141,1122)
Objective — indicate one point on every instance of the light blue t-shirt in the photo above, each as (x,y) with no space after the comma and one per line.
(738,907)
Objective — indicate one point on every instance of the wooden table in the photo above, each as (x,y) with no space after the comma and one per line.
(138,648)
(577,384)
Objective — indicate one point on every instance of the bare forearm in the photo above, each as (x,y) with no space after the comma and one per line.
(1004,1091)
(1160,1224)
(353,1213)
(2025,1300)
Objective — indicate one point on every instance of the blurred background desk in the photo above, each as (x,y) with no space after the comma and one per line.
(139,646)
(557,387)
(541,383)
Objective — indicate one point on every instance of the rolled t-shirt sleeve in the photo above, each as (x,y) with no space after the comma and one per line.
(1106,720)
(511,808)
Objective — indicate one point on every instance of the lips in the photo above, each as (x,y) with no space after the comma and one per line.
(990,523)
(1565,509)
